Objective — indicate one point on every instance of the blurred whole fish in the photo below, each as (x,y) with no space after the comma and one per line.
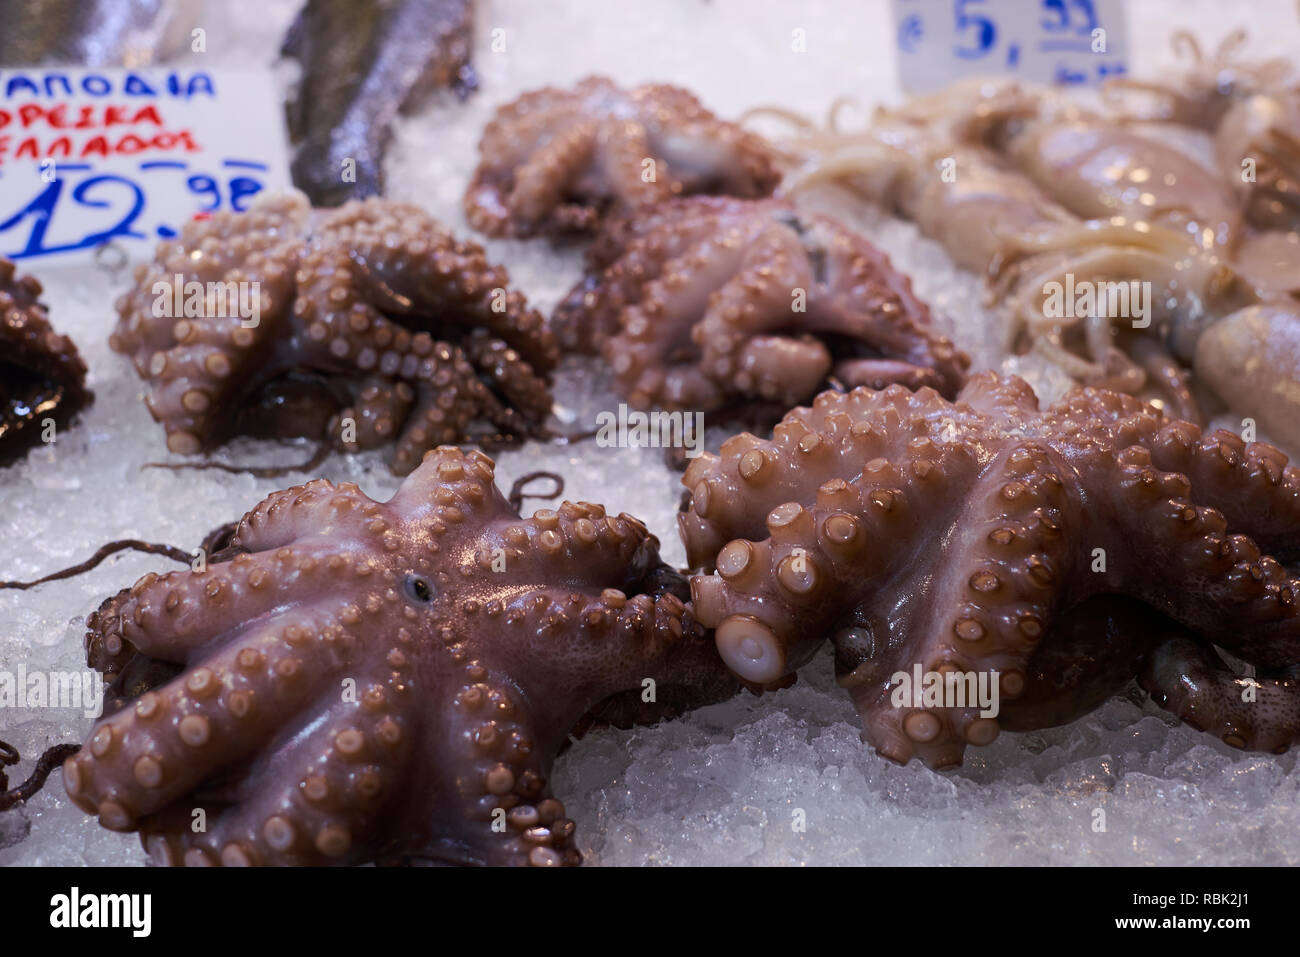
(363,63)
(96,33)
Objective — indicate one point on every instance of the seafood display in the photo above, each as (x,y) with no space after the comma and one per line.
(374,325)
(472,641)
(710,299)
(961,538)
(363,65)
(42,376)
(555,161)
(391,676)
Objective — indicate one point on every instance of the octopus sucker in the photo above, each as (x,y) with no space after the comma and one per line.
(42,376)
(557,161)
(707,301)
(984,536)
(373,326)
(351,681)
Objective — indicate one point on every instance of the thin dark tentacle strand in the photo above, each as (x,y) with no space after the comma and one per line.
(112,548)
(47,762)
(273,471)
(517,493)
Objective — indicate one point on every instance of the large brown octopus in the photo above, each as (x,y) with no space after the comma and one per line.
(42,376)
(1049,549)
(391,682)
(554,161)
(707,300)
(372,315)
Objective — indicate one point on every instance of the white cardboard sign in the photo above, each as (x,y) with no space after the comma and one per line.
(1064,42)
(95,159)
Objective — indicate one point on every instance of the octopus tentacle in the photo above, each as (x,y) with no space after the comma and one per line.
(525,395)
(316,507)
(162,746)
(541,182)
(348,764)
(1002,573)
(168,617)
(1210,576)
(378,406)
(1192,681)
(1250,483)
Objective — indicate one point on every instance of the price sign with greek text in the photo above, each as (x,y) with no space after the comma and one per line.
(96,159)
(1065,42)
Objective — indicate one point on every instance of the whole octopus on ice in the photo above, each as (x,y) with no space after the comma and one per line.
(556,161)
(351,681)
(373,325)
(985,535)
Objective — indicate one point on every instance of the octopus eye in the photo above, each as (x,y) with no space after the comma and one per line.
(419,589)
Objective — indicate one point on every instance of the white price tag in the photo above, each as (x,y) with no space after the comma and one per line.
(1066,42)
(123,158)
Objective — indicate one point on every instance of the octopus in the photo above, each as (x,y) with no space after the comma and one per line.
(985,540)
(555,161)
(356,681)
(42,376)
(373,325)
(709,300)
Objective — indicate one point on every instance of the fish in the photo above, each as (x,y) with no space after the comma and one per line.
(95,33)
(365,62)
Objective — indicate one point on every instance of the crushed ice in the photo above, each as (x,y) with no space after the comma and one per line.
(781,779)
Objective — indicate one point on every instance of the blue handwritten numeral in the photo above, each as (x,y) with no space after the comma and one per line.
(203,184)
(41,208)
(1062,22)
(98,192)
(985,31)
